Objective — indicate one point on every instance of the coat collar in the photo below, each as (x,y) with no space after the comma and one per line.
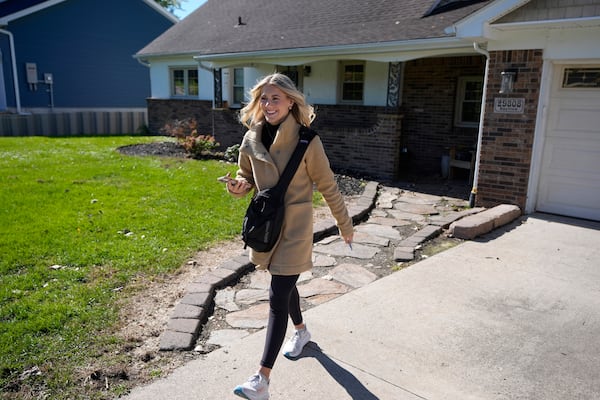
(287,136)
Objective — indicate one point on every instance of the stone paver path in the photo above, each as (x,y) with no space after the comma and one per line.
(231,301)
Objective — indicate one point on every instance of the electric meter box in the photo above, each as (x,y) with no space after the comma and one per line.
(32,74)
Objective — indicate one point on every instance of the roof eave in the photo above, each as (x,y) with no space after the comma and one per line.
(33,9)
(27,11)
(475,25)
(384,51)
(585,22)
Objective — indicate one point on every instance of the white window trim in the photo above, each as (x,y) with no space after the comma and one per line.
(460,96)
(233,86)
(341,81)
(184,68)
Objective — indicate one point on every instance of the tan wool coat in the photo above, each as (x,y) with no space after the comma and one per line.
(292,254)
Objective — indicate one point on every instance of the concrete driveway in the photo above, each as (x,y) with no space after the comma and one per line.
(512,315)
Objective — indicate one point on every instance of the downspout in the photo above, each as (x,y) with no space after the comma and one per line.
(212,71)
(212,110)
(14,68)
(473,194)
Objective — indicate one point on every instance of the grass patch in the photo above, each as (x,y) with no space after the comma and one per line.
(79,221)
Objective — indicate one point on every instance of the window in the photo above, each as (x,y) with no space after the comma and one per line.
(184,82)
(588,78)
(238,85)
(352,82)
(293,74)
(468,101)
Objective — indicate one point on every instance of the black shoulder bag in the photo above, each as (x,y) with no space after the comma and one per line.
(264,216)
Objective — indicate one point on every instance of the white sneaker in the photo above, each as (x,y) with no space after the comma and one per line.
(256,388)
(293,347)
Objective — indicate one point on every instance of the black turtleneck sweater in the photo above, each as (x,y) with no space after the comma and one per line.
(268,134)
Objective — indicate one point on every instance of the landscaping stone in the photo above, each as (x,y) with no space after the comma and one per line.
(201,299)
(251,296)
(389,221)
(366,238)
(324,261)
(353,275)
(341,249)
(185,325)
(378,230)
(188,311)
(226,337)
(421,209)
(483,222)
(321,286)
(260,279)
(254,317)
(225,299)
(170,341)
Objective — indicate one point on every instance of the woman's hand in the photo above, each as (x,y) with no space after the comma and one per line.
(238,186)
(235,186)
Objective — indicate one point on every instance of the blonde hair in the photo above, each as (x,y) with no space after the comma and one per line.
(251,114)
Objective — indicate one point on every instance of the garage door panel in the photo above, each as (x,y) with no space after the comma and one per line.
(575,158)
(578,198)
(569,181)
(577,120)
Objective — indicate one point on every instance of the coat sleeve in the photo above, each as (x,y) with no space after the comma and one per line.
(320,172)
(244,172)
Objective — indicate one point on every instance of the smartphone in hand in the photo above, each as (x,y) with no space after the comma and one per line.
(225,179)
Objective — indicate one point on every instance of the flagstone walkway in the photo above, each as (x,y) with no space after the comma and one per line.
(231,300)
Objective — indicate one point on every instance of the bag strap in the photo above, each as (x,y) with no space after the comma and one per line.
(306,135)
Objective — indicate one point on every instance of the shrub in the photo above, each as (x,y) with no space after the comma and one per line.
(232,153)
(186,132)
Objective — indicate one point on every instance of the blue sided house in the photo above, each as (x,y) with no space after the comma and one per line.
(74,55)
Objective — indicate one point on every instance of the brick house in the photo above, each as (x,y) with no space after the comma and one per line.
(501,93)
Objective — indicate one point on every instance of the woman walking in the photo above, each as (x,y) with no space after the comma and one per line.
(273,117)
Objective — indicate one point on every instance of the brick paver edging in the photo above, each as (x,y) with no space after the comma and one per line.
(188,317)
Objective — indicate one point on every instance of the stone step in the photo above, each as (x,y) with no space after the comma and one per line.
(478,224)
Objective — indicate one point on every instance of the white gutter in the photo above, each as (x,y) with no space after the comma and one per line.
(14,68)
(364,48)
(481,119)
(386,51)
(143,62)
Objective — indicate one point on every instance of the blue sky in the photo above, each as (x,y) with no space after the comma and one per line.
(187,7)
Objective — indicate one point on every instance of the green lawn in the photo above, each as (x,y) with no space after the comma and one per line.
(78,221)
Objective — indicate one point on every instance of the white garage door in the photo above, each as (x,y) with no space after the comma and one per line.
(570,176)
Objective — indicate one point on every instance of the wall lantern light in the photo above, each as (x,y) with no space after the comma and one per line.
(307,70)
(508,81)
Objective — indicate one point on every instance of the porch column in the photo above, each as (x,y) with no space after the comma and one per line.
(394,79)
(218,87)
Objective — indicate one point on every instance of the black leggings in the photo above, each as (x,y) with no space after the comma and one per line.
(284,300)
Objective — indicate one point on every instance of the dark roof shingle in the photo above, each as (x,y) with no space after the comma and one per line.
(284,24)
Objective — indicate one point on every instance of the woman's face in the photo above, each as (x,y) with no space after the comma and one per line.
(275,104)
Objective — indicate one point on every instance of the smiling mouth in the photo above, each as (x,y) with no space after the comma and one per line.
(271,114)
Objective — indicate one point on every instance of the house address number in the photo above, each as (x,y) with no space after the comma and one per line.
(510,105)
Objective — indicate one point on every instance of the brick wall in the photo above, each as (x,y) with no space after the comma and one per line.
(507,139)
(428,105)
(357,139)
(362,140)
(222,123)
